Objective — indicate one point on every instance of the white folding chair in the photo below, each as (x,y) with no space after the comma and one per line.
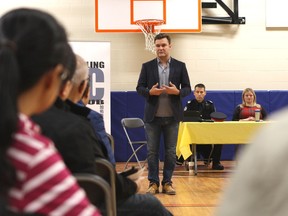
(128,125)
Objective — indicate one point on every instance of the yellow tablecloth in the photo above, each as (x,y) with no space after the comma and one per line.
(228,132)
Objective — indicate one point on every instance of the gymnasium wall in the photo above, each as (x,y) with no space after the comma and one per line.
(224,57)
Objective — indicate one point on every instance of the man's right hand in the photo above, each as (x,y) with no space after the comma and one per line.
(155,90)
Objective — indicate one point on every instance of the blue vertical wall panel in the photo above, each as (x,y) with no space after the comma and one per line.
(130,104)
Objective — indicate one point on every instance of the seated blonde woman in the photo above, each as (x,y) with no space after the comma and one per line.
(246,110)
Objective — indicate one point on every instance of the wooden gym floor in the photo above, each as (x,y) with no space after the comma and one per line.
(195,195)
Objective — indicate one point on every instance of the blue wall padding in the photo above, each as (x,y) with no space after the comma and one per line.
(130,104)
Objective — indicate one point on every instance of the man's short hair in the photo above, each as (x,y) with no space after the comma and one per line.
(161,36)
(200,85)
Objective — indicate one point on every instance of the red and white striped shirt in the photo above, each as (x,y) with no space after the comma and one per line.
(44,184)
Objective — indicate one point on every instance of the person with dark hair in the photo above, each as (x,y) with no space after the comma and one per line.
(69,132)
(67,125)
(34,58)
(205,108)
(163,81)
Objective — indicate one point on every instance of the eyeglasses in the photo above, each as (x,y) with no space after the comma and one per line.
(64,74)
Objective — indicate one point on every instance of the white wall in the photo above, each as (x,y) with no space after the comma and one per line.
(224,57)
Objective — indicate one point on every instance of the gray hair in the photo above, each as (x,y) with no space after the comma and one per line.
(81,72)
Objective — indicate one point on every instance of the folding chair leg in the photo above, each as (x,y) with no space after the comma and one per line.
(144,163)
(134,154)
(133,123)
(136,157)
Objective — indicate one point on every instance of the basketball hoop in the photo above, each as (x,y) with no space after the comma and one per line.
(150,28)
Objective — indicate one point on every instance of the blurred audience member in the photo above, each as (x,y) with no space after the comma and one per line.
(78,144)
(96,119)
(259,185)
(34,54)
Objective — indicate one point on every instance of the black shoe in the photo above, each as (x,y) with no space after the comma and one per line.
(179,161)
(217,166)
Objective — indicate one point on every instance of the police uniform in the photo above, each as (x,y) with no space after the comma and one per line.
(206,107)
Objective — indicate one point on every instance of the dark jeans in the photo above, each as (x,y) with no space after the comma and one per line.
(167,127)
(142,205)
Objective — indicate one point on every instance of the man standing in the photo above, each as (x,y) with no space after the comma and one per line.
(205,108)
(163,81)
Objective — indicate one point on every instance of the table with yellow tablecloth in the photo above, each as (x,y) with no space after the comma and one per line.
(228,132)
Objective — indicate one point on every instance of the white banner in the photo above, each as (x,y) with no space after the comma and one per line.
(97,56)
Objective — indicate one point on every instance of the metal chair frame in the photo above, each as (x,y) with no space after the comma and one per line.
(133,123)
(111,140)
(97,190)
(107,171)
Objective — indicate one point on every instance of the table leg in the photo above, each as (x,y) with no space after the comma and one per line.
(195,158)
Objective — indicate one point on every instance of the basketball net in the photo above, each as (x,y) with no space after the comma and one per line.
(150,28)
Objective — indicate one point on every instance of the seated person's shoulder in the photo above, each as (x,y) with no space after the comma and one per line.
(258,106)
(191,102)
(239,106)
(95,117)
(190,105)
(209,102)
(95,113)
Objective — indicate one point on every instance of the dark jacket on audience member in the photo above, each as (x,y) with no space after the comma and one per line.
(97,122)
(77,143)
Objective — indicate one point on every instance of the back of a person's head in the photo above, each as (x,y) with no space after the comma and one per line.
(32,43)
(86,94)
(81,72)
(79,80)
(70,67)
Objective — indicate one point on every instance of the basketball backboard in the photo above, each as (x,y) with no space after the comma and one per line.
(180,16)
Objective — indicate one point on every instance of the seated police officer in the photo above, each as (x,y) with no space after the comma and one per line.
(205,107)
